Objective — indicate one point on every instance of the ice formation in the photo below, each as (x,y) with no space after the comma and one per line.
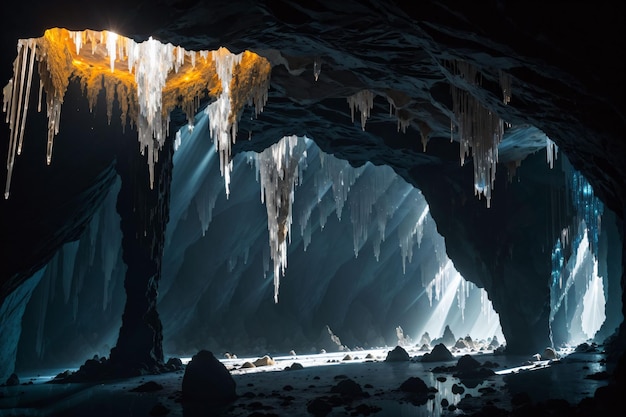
(279,168)
(317,68)
(148,79)
(363,102)
(479,128)
(575,268)
(222,128)
(551,152)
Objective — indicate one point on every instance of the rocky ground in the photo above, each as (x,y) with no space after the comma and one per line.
(382,382)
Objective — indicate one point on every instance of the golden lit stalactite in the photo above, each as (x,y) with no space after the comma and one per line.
(148,80)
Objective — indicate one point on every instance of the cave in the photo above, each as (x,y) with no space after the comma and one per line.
(419,167)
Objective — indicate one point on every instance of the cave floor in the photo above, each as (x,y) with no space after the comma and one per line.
(274,391)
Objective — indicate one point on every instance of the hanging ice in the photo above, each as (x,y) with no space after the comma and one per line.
(279,168)
(163,77)
(363,102)
(479,129)
(317,68)
(222,129)
(551,152)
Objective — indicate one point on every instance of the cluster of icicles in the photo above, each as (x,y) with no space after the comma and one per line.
(151,62)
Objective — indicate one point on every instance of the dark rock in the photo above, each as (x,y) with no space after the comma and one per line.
(294,367)
(12,380)
(347,388)
(175,364)
(440,353)
(414,385)
(208,381)
(319,407)
(457,389)
(548,354)
(398,354)
(467,363)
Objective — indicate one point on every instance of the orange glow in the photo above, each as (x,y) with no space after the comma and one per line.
(168,76)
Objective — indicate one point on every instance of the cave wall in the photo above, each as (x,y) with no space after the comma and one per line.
(554,65)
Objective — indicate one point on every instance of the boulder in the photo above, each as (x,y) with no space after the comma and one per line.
(264,361)
(398,354)
(414,385)
(440,353)
(549,354)
(206,380)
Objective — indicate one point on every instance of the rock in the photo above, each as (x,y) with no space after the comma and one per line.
(347,358)
(347,388)
(425,339)
(548,354)
(264,361)
(414,385)
(328,341)
(467,363)
(440,353)
(292,353)
(207,380)
(174,364)
(294,367)
(403,340)
(319,407)
(425,348)
(461,344)
(247,364)
(457,389)
(494,344)
(12,380)
(398,354)
(448,338)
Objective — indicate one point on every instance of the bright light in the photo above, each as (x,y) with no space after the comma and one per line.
(593,305)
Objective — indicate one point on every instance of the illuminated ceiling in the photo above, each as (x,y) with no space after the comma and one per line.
(148,80)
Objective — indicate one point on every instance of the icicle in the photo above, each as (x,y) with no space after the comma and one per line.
(154,62)
(363,101)
(411,231)
(551,152)
(317,68)
(479,129)
(367,190)
(221,128)
(15,102)
(278,168)
(205,203)
(111,41)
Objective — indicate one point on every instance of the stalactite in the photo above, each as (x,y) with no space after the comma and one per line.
(480,129)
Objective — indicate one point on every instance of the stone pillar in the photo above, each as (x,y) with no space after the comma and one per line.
(144,214)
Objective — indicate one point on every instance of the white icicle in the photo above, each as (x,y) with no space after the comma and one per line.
(222,131)
(551,152)
(278,168)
